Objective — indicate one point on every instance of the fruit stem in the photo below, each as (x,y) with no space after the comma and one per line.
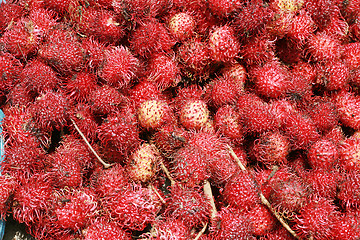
(201,232)
(157,194)
(167,173)
(239,163)
(208,193)
(106,165)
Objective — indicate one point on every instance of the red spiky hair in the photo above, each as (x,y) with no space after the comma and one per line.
(323,47)
(349,150)
(101,228)
(301,28)
(228,123)
(8,185)
(80,86)
(258,49)
(323,154)
(9,12)
(85,120)
(347,107)
(10,69)
(323,182)
(105,100)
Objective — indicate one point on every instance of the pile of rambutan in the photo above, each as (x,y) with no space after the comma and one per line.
(181,119)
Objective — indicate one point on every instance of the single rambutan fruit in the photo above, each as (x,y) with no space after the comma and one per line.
(78,210)
(258,49)
(240,191)
(188,204)
(19,96)
(32,199)
(349,151)
(237,73)
(85,120)
(103,229)
(271,80)
(119,67)
(10,69)
(271,148)
(324,183)
(9,12)
(105,100)
(336,135)
(303,75)
(144,91)
(133,208)
(323,154)
(50,111)
(316,219)
(301,28)
(286,6)
(222,91)
(94,52)
(153,114)
(225,8)
(169,229)
(282,109)
(334,75)
(255,113)
(8,186)
(323,47)
(169,138)
(262,220)
(223,44)
(194,55)
(278,234)
(222,167)
(151,37)
(349,189)
(347,104)
(190,166)
(228,123)
(62,50)
(119,132)
(322,11)
(80,86)
(347,226)
(43,20)
(164,71)
(143,163)
(350,55)
(337,27)
(194,114)
(39,77)
(182,25)
(231,223)
(109,182)
(324,114)
(61,7)
(280,24)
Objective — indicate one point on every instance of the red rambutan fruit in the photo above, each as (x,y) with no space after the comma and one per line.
(232,224)
(151,37)
(271,79)
(164,71)
(144,91)
(258,49)
(62,50)
(278,234)
(323,47)
(60,6)
(80,86)
(347,105)
(262,220)
(32,199)
(194,114)
(223,91)
(222,167)
(85,120)
(94,52)
(349,189)
(228,123)
(324,183)
(316,219)
(349,150)
(169,138)
(209,143)
(119,132)
(10,69)
(153,114)
(271,148)
(302,75)
(50,111)
(78,210)
(255,113)
(282,109)
(337,27)
(190,166)
(225,8)
(9,12)
(8,185)
(322,10)
(43,20)
(334,75)
(237,73)
(19,96)
(143,163)
(223,44)
(39,77)
(286,6)
(324,114)
(280,24)
(301,28)
(170,229)
(102,229)
(188,204)
(347,227)
(336,135)
(133,208)
(323,154)
(120,67)
(351,52)
(105,100)
(240,191)
(182,25)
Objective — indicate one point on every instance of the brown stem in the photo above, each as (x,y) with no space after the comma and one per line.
(167,173)
(232,153)
(106,165)
(157,194)
(201,232)
(208,193)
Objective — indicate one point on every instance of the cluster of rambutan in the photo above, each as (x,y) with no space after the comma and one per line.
(119,115)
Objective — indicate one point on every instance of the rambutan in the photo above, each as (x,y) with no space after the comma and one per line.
(347,226)
(223,44)
(322,182)
(228,123)
(80,86)
(188,204)
(258,49)
(301,28)
(337,27)
(20,96)
(169,137)
(222,167)
(350,55)
(237,73)
(94,52)
(278,234)
(347,105)
(10,69)
(143,163)
(105,100)
(144,91)
(8,185)
(240,191)
(50,111)
(153,114)
(85,120)
(120,67)
(262,220)
(194,114)
(316,219)
(182,25)
(334,75)
(324,114)
(349,189)
(170,229)
(9,12)
(349,150)
(322,11)
(61,7)
(286,6)
(102,229)
(323,154)
(323,47)
(225,8)
(222,91)
(39,77)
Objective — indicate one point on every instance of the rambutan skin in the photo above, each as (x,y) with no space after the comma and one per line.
(228,123)
(347,105)
(102,229)
(153,114)
(323,47)
(349,151)
(8,185)
(105,100)
(349,189)
(10,69)
(80,86)
(182,25)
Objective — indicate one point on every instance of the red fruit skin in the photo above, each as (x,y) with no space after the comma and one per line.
(347,105)
(105,100)
(119,67)
(303,75)
(85,120)
(324,114)
(59,6)
(7,187)
(240,191)
(164,71)
(323,154)
(349,151)
(301,28)
(228,123)
(169,138)
(133,208)
(94,52)
(223,90)
(194,114)
(323,47)
(271,79)
(101,228)
(347,226)
(223,44)
(224,8)
(323,182)
(350,55)
(39,77)
(338,27)
(151,37)
(9,12)
(190,166)
(43,20)
(79,210)
(321,11)
(182,25)
(50,111)
(316,219)
(10,69)
(334,75)
(349,190)
(170,228)
(231,224)
(237,73)
(19,96)
(79,87)
(258,49)
(62,50)
(263,221)
(189,205)
(222,167)
(278,234)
